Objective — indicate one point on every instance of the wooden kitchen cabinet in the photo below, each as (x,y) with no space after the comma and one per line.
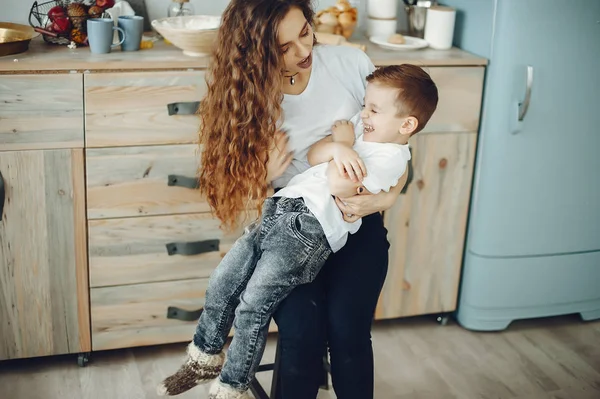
(111,133)
(427,225)
(43,260)
(426,228)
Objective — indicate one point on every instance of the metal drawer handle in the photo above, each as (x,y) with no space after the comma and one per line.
(2,195)
(183,181)
(176,313)
(192,248)
(524,106)
(183,108)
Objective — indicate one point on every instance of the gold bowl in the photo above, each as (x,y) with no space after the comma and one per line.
(15,38)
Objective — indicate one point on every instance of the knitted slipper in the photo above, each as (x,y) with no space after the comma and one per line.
(218,390)
(199,368)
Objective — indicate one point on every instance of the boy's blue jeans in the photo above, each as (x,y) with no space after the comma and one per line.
(286,249)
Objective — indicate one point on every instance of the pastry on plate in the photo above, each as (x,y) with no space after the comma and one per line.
(397,38)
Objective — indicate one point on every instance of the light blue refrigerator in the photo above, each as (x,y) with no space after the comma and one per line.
(533,244)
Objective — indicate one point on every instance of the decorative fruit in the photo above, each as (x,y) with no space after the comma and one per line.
(105,3)
(61,25)
(78,36)
(95,12)
(78,14)
(57,12)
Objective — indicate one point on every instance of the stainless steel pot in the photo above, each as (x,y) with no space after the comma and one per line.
(416,12)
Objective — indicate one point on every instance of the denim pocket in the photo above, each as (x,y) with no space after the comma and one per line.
(314,263)
(307,229)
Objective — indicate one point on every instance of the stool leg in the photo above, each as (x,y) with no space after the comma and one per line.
(257,390)
(275,379)
(325,372)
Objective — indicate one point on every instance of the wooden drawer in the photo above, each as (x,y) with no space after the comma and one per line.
(134,250)
(123,109)
(134,181)
(460,91)
(136,315)
(41,112)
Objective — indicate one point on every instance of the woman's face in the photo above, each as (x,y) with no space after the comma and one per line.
(295,37)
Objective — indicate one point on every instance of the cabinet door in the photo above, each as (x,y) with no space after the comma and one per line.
(44,306)
(426,228)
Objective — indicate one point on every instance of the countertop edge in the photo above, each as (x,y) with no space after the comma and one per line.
(41,58)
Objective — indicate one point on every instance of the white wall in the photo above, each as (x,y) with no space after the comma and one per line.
(18,10)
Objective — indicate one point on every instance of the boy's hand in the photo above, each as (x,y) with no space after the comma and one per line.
(343,131)
(348,162)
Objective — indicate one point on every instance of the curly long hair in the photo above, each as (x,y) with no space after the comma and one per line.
(242,107)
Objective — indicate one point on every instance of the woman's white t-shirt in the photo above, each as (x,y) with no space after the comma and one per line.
(335,90)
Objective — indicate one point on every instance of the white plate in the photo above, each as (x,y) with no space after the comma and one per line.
(412,43)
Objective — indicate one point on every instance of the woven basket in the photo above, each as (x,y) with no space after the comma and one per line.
(38,18)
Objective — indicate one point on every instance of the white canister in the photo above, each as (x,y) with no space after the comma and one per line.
(381,27)
(382,9)
(439,29)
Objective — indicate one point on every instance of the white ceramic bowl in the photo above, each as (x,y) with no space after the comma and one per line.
(195,34)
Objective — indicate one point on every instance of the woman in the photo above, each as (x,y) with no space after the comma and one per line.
(266,77)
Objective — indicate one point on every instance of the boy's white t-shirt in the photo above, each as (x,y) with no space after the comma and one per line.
(385,164)
(335,90)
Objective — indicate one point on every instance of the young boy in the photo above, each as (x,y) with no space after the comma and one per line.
(300,227)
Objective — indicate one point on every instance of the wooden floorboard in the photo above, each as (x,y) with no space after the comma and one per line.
(551,358)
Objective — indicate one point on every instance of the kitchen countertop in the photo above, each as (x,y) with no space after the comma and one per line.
(44,58)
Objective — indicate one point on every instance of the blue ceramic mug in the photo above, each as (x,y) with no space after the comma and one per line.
(133,25)
(100,35)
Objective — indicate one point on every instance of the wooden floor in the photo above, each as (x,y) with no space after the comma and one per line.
(415,358)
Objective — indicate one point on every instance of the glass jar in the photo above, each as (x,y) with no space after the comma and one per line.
(180,8)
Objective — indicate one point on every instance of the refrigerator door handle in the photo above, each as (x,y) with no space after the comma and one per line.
(524,106)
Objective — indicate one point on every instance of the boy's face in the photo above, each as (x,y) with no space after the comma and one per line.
(380,116)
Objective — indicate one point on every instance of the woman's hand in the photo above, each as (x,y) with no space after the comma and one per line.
(363,204)
(279,157)
(348,162)
(354,208)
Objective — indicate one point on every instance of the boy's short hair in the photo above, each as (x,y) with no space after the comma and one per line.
(417,93)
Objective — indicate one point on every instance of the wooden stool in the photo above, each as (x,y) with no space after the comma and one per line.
(260,393)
